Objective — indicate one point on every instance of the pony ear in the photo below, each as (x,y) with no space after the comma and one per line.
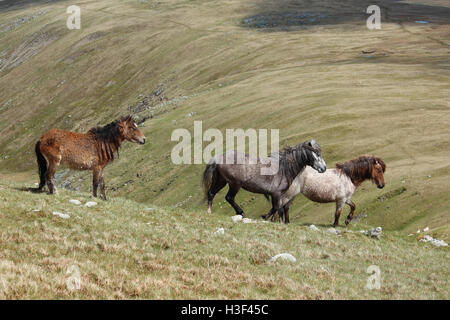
(312,143)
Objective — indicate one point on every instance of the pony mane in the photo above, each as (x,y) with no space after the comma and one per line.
(293,159)
(360,169)
(108,138)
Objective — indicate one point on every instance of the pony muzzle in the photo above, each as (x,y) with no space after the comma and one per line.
(322,169)
(321,166)
(141,140)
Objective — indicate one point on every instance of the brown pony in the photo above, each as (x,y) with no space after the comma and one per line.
(335,185)
(84,151)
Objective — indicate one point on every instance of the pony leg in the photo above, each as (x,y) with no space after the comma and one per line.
(230,199)
(49,178)
(268,214)
(95,181)
(275,216)
(337,214)
(102,186)
(286,214)
(352,210)
(53,158)
(215,188)
(277,208)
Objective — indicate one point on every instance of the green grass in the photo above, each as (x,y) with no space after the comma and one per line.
(123,250)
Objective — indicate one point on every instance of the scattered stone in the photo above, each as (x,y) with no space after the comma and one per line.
(247,220)
(220,231)
(190,114)
(236,218)
(373,233)
(90,204)
(36,210)
(75,202)
(150,209)
(332,230)
(426,229)
(313,228)
(434,242)
(283,256)
(61,215)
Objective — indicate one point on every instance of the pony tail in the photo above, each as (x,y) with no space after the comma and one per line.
(42,165)
(210,176)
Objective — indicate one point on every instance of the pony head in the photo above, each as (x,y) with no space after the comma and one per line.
(377,174)
(314,156)
(128,129)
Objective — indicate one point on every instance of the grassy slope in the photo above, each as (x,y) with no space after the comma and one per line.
(307,81)
(123,250)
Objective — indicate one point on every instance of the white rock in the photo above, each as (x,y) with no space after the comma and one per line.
(74,201)
(313,227)
(61,215)
(247,220)
(283,256)
(435,242)
(426,229)
(427,238)
(236,218)
(373,233)
(439,243)
(332,230)
(36,210)
(90,204)
(220,231)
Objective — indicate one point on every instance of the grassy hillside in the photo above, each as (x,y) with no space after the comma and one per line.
(293,65)
(124,249)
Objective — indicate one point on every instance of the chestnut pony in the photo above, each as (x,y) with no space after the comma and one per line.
(335,185)
(93,150)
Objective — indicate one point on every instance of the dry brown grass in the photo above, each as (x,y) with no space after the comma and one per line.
(124,251)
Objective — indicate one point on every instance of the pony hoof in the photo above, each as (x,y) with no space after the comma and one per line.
(208,211)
